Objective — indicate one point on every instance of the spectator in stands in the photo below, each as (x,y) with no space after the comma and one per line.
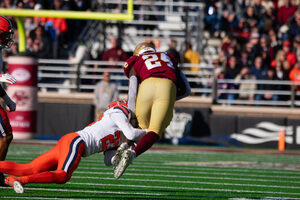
(114,54)
(233,68)
(254,41)
(29,45)
(243,30)
(42,43)
(274,43)
(193,58)
(222,86)
(295,75)
(289,55)
(285,77)
(246,89)
(267,4)
(60,25)
(259,9)
(265,50)
(294,25)
(285,11)
(258,69)
(231,71)
(245,61)
(250,17)
(104,93)
(212,17)
(50,30)
(296,45)
(279,59)
(6,4)
(270,76)
(172,44)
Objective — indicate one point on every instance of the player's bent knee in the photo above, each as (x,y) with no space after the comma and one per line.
(62,177)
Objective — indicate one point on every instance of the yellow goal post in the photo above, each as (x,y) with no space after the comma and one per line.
(82,15)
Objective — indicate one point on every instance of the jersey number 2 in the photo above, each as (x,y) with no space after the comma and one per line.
(110,141)
(152,60)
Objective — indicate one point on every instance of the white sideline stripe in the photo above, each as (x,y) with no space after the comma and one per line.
(202,177)
(198,173)
(192,182)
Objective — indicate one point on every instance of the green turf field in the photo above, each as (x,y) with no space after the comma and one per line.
(176,174)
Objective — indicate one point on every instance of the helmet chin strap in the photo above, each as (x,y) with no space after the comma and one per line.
(146,49)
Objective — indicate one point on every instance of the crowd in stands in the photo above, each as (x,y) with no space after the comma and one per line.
(49,37)
(260,41)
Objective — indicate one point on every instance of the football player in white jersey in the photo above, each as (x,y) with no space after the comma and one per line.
(110,131)
(6,39)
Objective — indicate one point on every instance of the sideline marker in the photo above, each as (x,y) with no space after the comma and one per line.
(281,140)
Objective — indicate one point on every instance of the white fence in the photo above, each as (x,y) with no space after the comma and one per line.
(65,76)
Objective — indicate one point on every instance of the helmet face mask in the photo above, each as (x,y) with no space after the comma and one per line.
(143,48)
(6,39)
(6,33)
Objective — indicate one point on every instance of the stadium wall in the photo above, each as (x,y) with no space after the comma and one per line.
(194,122)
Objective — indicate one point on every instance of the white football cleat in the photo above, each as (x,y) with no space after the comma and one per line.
(126,159)
(117,157)
(13,182)
(18,187)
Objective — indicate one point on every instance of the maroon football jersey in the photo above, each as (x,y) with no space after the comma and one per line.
(154,64)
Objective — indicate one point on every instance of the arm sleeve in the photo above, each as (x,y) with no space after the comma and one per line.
(2,92)
(130,133)
(132,92)
(183,86)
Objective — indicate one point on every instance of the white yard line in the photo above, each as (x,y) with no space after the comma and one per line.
(31,197)
(196,173)
(164,165)
(152,187)
(193,182)
(142,166)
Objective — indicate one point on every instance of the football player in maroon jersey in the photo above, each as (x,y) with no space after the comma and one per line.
(6,40)
(161,84)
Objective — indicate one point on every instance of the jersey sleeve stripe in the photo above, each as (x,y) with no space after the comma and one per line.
(123,109)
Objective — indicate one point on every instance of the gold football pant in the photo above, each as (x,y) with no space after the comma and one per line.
(155,103)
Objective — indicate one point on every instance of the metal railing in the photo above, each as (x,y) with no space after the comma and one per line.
(68,76)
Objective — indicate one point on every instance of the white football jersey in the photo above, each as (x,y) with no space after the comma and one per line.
(109,132)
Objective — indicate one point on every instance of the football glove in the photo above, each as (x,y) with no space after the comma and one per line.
(7,78)
(10,103)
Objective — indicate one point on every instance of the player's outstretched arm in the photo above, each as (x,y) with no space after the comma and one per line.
(132,92)
(123,123)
